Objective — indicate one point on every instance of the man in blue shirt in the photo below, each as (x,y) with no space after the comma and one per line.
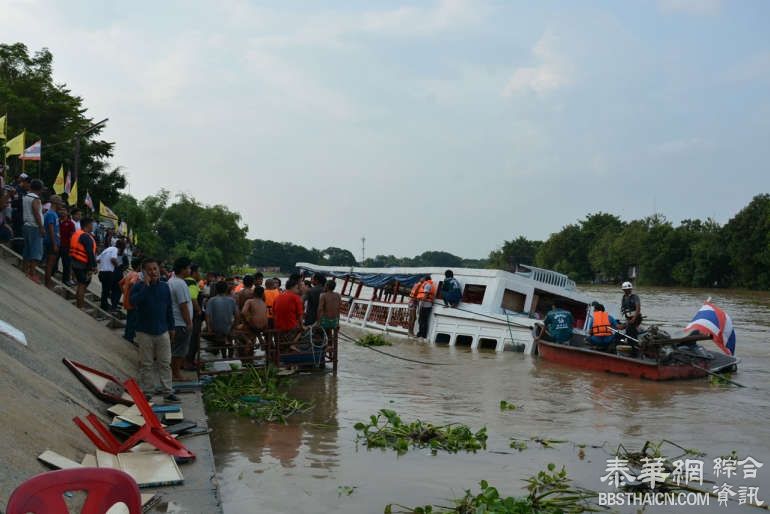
(154,331)
(51,239)
(558,324)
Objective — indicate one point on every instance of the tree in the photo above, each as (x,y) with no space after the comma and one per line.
(50,112)
(517,251)
(211,236)
(747,240)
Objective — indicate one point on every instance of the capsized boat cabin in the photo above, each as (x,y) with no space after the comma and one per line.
(498,308)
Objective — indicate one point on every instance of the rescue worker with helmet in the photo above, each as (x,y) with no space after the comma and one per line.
(425,295)
(83,255)
(631,308)
(413,304)
(599,327)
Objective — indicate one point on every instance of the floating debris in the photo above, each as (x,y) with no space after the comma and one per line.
(254,393)
(550,492)
(373,340)
(386,430)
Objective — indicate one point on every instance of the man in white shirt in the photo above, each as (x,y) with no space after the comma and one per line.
(106,262)
(182,308)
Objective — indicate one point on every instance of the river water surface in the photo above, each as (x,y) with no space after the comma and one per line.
(313,463)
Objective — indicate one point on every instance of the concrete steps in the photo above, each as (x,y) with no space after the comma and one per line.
(92,300)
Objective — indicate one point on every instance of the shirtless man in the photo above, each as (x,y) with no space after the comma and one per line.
(254,315)
(329,307)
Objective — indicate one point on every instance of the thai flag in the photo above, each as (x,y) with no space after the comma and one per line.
(712,320)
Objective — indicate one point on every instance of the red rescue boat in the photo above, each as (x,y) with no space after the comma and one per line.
(668,361)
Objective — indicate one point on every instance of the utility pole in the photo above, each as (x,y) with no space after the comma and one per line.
(80,134)
(363,250)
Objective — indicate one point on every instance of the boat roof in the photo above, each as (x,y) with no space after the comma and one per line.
(407,276)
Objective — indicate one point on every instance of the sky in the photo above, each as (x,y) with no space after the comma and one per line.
(439,125)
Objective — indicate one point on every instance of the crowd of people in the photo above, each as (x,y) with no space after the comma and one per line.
(602,329)
(168,313)
(59,238)
(168,309)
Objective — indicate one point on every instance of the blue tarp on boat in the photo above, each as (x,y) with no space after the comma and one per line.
(378,280)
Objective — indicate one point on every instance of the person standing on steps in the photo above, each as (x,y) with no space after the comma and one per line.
(154,331)
(83,256)
(33,230)
(66,229)
(181,305)
(107,261)
(52,238)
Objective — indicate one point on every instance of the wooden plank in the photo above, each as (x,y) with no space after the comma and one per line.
(56,461)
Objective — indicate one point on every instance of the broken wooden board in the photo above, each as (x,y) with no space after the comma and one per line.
(148,469)
(56,461)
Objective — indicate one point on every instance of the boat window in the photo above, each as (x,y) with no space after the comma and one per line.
(464,341)
(486,343)
(438,290)
(442,338)
(474,293)
(513,301)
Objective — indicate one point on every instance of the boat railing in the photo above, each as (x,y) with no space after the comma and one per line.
(545,276)
(390,317)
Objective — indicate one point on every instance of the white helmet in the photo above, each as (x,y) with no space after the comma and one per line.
(627,285)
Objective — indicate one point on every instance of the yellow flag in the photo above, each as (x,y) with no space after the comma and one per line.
(15,146)
(106,212)
(58,185)
(73,196)
(3,121)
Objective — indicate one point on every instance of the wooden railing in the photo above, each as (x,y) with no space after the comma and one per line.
(390,317)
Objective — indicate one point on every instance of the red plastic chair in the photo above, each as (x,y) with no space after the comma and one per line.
(42,493)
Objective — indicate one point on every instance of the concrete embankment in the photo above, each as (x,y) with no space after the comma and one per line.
(39,396)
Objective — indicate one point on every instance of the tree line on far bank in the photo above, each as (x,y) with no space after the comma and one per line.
(599,248)
(695,253)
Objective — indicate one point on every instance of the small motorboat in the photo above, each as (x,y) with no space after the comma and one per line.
(650,358)
(105,386)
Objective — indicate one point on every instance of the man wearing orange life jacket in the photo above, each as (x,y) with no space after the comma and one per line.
(413,302)
(600,327)
(425,295)
(83,255)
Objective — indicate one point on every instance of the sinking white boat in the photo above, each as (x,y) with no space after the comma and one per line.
(498,308)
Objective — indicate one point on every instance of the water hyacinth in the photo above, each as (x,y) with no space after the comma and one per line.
(387,430)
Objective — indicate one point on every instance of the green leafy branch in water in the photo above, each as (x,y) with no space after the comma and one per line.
(253,393)
(386,430)
(373,340)
(505,405)
(550,492)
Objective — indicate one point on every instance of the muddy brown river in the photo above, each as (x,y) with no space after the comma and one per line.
(313,464)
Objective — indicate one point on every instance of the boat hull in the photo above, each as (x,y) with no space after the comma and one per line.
(593,360)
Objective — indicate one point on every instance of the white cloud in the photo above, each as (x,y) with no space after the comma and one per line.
(696,7)
(553,71)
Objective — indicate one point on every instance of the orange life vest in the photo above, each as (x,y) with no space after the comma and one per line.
(426,296)
(270,296)
(601,325)
(415,292)
(126,283)
(77,250)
